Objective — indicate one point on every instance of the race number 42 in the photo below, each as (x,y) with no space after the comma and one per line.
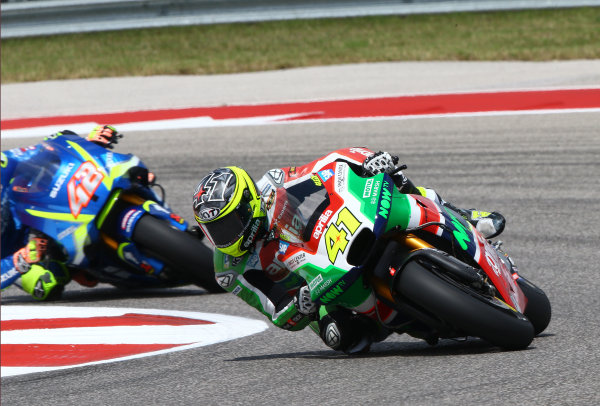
(82,186)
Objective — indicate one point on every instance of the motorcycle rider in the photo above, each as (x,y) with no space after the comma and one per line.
(231,210)
(25,250)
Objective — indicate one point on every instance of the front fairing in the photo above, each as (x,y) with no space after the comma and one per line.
(356,203)
(61,189)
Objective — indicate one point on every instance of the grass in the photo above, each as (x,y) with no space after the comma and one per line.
(532,35)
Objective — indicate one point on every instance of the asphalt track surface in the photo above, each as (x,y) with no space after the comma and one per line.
(541,171)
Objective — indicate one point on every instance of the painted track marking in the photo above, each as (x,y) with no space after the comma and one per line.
(400,107)
(45,338)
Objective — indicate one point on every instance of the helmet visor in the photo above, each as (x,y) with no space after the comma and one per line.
(225,231)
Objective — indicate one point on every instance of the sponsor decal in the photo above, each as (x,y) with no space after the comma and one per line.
(368,188)
(270,200)
(337,290)
(131,258)
(490,256)
(277,176)
(11,272)
(340,178)
(66,232)
(159,208)
(320,227)
(315,282)
(326,174)
(385,202)
(316,180)
(149,269)
(129,220)
(226,261)
(255,226)
(237,290)
(231,262)
(253,260)
(82,186)
(332,335)
(210,213)
(276,271)
(283,246)
(460,233)
(325,285)
(176,218)
(226,280)
(376,187)
(292,171)
(265,188)
(292,322)
(61,179)
(295,261)
(110,162)
(362,151)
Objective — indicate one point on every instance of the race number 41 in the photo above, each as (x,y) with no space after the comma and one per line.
(82,186)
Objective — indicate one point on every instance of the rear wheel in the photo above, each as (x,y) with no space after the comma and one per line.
(466,310)
(180,251)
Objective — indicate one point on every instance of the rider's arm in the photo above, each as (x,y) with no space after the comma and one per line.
(104,135)
(256,289)
(365,162)
(9,272)
(26,263)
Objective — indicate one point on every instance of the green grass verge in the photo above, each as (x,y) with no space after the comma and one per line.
(532,35)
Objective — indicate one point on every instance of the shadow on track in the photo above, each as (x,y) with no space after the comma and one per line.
(470,346)
(106,294)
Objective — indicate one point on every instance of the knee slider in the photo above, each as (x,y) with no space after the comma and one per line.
(342,331)
(41,283)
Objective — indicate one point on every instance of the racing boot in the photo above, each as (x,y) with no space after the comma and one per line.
(489,224)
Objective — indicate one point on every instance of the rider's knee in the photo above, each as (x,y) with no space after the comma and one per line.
(42,283)
(343,331)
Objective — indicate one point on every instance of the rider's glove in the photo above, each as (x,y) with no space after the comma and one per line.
(303,302)
(32,253)
(380,162)
(104,135)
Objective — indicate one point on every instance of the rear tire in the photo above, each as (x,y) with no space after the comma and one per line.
(179,250)
(470,313)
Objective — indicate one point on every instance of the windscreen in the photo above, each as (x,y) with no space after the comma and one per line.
(36,173)
(300,208)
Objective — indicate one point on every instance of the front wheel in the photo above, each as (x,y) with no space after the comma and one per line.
(538,309)
(467,311)
(179,250)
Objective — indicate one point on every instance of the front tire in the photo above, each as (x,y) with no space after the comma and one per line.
(469,312)
(538,309)
(179,250)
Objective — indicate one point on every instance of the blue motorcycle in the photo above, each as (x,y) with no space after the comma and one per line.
(101,211)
